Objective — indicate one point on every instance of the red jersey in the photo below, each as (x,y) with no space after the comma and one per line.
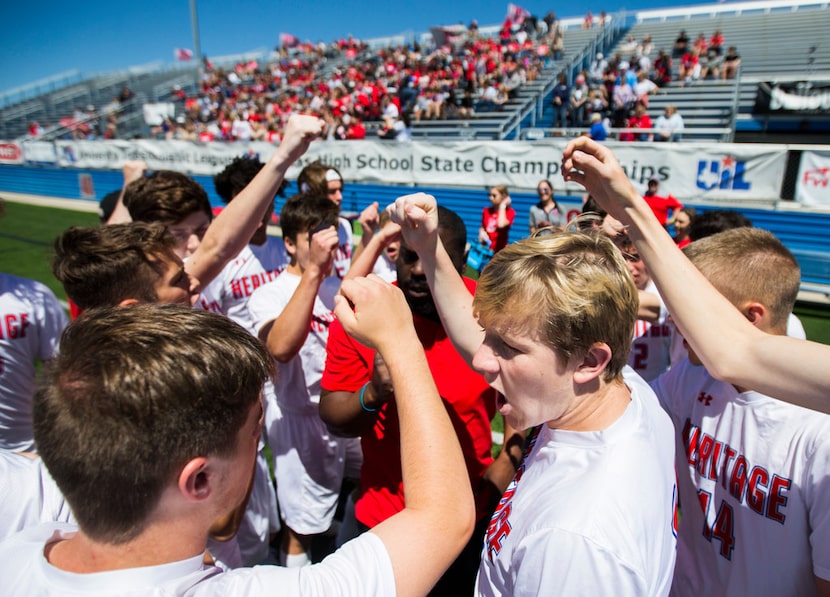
(470,403)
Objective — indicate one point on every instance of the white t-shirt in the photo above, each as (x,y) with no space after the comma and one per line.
(31,322)
(360,568)
(754,483)
(385,268)
(28,494)
(651,346)
(255,266)
(298,382)
(589,513)
(345,242)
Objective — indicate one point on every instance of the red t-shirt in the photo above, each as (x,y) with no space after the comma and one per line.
(490,222)
(661,206)
(469,400)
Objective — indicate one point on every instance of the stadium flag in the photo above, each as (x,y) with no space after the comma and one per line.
(183,54)
(289,41)
(517,14)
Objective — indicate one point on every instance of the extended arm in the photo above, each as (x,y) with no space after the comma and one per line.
(133,170)
(503,221)
(438,497)
(418,216)
(364,262)
(731,348)
(230,231)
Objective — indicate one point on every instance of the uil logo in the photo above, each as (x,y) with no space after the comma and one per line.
(724,174)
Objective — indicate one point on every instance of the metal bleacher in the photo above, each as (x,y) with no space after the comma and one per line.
(776,41)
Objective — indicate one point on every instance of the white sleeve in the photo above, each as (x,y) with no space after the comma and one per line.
(51,321)
(268,301)
(573,565)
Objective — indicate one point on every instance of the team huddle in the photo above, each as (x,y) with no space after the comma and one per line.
(138,465)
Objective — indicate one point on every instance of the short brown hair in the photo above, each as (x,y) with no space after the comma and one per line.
(135,393)
(568,289)
(306,211)
(750,264)
(165,196)
(102,266)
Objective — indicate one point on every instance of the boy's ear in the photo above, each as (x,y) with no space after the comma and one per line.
(194,480)
(756,313)
(290,246)
(593,363)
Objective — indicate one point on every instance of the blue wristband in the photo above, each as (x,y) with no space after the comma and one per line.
(363,404)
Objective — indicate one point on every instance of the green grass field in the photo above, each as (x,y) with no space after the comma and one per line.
(27,234)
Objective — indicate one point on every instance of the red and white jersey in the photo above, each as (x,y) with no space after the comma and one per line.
(754,482)
(31,322)
(298,382)
(589,513)
(255,266)
(651,346)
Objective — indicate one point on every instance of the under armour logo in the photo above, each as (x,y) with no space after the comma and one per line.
(705,398)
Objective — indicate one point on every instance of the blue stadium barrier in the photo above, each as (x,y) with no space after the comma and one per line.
(806,234)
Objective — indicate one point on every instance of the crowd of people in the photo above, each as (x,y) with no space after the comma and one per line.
(203,339)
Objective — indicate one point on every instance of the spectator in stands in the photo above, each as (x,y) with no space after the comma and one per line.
(661,206)
(588,21)
(716,42)
(644,87)
(689,69)
(669,126)
(579,101)
(710,64)
(597,69)
(597,132)
(646,45)
(639,120)
(561,99)
(496,219)
(597,102)
(681,45)
(701,44)
(662,69)
(731,63)
(623,101)
(35,130)
(683,220)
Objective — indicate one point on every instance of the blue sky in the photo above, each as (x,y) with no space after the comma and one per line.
(48,37)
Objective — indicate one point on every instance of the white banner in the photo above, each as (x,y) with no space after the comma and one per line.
(39,152)
(813,186)
(689,172)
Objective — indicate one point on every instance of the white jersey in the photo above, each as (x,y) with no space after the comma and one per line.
(28,494)
(589,513)
(360,568)
(651,346)
(298,382)
(31,322)
(754,483)
(255,266)
(345,242)
(385,268)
